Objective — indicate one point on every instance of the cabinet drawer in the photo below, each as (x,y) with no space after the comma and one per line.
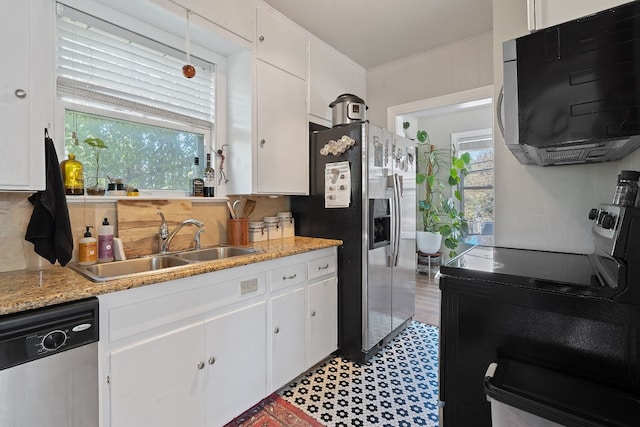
(321,267)
(288,276)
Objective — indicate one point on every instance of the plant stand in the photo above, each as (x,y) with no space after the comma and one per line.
(426,261)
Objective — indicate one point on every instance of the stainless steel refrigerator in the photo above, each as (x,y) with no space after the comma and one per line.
(362,191)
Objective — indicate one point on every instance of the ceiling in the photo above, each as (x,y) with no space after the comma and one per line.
(374,32)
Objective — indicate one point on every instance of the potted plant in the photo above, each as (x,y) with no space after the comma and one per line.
(96,188)
(440,173)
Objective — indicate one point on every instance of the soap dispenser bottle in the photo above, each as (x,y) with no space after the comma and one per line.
(105,242)
(88,249)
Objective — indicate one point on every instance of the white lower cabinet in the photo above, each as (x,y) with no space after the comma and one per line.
(157,382)
(200,351)
(303,317)
(234,343)
(322,315)
(288,358)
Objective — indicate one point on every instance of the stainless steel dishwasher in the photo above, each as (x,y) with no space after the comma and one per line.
(49,366)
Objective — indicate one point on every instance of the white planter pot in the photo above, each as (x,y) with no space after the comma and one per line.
(428,242)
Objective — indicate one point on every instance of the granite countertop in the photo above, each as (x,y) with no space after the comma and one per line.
(23,290)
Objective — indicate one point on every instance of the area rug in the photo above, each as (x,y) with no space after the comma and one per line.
(274,411)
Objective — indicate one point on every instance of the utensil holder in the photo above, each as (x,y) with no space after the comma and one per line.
(238,231)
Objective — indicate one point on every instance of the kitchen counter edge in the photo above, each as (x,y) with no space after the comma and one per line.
(24,290)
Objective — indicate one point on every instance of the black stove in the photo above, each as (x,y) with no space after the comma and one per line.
(574,314)
(604,274)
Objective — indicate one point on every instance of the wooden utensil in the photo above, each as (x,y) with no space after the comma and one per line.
(249,205)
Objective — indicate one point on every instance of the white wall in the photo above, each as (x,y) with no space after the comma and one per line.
(441,126)
(536,207)
(449,69)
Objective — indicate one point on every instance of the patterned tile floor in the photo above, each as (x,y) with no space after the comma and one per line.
(397,387)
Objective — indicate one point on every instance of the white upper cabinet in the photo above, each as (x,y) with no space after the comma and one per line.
(331,74)
(281,44)
(282,165)
(545,13)
(236,16)
(26,92)
(275,159)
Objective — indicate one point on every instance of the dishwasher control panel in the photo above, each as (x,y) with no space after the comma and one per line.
(38,333)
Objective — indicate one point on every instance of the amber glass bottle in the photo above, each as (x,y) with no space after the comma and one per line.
(72,176)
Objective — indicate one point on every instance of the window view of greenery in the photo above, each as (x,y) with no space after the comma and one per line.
(141,155)
(477,188)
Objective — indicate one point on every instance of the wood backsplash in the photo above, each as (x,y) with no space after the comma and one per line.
(138,224)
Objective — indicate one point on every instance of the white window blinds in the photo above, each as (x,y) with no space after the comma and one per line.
(101,64)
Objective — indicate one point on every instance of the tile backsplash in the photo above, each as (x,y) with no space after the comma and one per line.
(15,213)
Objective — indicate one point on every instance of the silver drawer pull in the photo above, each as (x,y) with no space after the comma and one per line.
(324,268)
(201,365)
(289,277)
(212,360)
(20,93)
(276,330)
(313,313)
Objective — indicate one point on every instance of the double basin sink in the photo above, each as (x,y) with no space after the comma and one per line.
(154,263)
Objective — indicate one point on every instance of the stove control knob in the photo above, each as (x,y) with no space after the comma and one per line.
(593,214)
(608,221)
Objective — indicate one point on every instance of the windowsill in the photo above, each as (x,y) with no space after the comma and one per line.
(110,199)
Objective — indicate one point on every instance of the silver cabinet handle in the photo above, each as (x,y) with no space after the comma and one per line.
(323,268)
(262,141)
(261,38)
(20,93)
(201,365)
(289,277)
(313,313)
(212,360)
(276,330)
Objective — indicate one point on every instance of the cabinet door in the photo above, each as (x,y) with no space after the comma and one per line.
(235,350)
(282,153)
(281,44)
(546,13)
(331,75)
(26,93)
(323,319)
(287,335)
(159,382)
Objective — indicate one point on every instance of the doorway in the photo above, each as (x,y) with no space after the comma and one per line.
(461,121)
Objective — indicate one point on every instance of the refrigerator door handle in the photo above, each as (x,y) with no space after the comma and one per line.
(397,218)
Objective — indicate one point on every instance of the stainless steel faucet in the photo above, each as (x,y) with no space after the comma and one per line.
(165,238)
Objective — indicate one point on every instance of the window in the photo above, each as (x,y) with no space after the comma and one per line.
(129,91)
(131,153)
(477,187)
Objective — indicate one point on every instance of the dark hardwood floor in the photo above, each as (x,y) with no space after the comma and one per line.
(427,298)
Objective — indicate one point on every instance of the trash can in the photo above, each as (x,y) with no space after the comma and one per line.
(524,395)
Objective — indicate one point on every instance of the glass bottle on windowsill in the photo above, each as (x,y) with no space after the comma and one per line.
(72,175)
(209,178)
(197,183)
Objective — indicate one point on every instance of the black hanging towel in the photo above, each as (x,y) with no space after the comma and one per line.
(49,228)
